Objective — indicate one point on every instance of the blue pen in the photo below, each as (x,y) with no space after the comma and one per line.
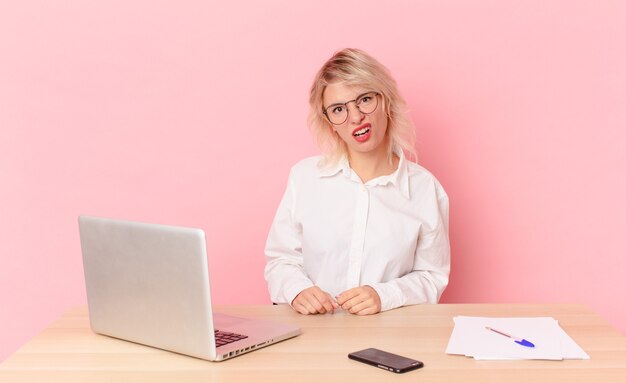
(517,340)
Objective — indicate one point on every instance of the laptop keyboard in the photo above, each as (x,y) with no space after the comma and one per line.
(223,337)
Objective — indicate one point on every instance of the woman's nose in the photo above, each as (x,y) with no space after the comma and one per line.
(354,114)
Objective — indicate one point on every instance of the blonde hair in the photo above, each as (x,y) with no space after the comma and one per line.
(357,68)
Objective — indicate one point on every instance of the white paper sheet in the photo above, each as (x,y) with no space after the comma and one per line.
(471,338)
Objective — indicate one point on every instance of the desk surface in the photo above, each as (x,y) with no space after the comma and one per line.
(68,351)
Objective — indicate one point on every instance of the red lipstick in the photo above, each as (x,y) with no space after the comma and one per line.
(362,133)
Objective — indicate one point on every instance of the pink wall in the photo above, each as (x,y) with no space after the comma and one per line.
(192,114)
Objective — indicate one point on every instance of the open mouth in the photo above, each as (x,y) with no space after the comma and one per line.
(361,132)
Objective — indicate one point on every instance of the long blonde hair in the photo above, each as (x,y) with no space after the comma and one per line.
(357,68)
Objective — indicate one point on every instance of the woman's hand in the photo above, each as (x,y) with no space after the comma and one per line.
(314,300)
(363,300)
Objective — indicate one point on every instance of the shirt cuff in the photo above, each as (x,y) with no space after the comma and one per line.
(391,296)
(292,290)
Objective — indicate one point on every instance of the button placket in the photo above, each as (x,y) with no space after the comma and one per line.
(357,242)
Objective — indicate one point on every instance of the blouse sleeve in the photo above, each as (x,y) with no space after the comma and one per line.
(284,271)
(429,277)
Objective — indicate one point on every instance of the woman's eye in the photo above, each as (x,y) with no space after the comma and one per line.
(337,109)
(365,99)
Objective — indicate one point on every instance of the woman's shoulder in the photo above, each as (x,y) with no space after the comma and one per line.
(414,168)
(307,164)
(306,167)
(420,175)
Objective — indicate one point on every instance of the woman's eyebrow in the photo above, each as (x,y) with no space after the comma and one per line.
(336,103)
(354,99)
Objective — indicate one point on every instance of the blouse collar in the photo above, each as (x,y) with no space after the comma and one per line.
(399,178)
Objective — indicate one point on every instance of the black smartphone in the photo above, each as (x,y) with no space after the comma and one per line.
(386,360)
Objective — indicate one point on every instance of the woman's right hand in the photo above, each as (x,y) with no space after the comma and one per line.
(314,300)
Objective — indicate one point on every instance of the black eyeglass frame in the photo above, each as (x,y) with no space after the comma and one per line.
(345,105)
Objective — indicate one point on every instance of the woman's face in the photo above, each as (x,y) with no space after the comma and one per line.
(362,133)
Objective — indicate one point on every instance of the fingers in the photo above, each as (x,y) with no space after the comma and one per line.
(302,305)
(328,303)
(362,300)
(314,300)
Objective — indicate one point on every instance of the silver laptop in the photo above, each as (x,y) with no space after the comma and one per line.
(149,284)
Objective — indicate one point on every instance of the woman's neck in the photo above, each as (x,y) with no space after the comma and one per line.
(372,165)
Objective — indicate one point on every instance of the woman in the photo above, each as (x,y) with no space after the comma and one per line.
(360,228)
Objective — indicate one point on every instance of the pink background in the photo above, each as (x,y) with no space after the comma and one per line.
(192,113)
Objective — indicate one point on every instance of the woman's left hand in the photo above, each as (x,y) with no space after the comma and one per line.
(363,300)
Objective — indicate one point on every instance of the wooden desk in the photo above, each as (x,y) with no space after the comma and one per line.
(68,351)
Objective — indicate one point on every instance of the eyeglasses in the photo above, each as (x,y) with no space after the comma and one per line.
(366,103)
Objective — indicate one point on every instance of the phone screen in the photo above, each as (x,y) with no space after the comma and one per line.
(386,360)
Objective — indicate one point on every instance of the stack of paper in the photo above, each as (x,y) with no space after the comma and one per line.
(471,337)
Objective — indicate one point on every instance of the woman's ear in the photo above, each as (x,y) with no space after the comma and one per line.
(387,107)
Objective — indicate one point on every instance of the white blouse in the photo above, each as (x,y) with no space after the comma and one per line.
(333,231)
